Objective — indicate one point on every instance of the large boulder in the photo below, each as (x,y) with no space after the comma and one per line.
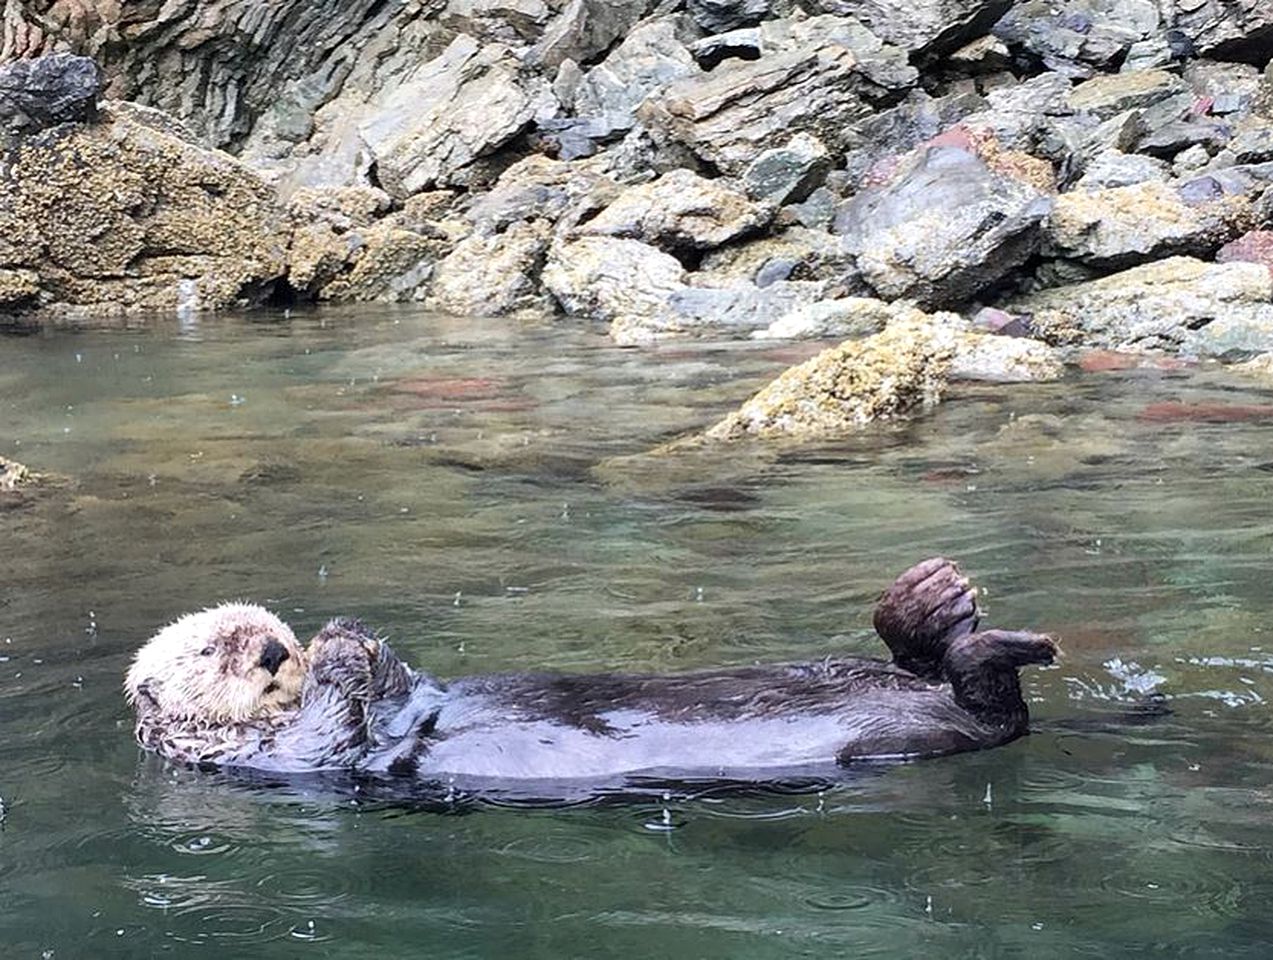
(944,226)
(1122,226)
(602,278)
(128,213)
(1076,37)
(492,274)
(457,108)
(680,211)
(1179,304)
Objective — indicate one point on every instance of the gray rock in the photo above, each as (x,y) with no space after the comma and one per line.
(1171,138)
(922,27)
(585,28)
(1253,143)
(1113,168)
(1018,116)
(918,118)
(680,211)
(730,116)
(794,254)
(943,228)
(1122,226)
(1231,87)
(1168,304)
(602,278)
(734,310)
(838,319)
(1114,93)
(648,59)
(538,188)
(492,275)
(997,359)
(789,173)
(39,93)
(815,212)
(450,113)
(718,16)
(1225,29)
(514,22)
(1075,36)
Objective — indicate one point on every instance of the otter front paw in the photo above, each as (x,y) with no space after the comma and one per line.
(926,608)
(344,654)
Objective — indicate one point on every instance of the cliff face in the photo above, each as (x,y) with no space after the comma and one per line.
(744,167)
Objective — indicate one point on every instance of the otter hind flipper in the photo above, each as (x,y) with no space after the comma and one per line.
(926,609)
(982,671)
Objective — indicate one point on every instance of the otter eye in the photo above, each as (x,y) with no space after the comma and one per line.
(207,651)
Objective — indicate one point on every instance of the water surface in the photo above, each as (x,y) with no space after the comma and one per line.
(470,487)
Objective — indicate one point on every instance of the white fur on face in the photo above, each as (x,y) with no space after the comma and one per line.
(206,666)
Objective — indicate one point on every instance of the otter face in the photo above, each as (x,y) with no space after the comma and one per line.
(230,663)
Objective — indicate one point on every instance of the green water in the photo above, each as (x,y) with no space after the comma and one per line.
(469,487)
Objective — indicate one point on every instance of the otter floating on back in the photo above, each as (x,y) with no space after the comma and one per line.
(231,687)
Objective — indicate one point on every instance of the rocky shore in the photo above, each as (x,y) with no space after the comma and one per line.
(964,188)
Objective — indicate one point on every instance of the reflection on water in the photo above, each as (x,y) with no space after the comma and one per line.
(471,488)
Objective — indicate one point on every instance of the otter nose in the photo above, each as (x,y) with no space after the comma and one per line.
(273,655)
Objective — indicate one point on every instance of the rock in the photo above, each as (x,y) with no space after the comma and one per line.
(789,173)
(1175,136)
(730,116)
(492,275)
(1120,226)
(457,108)
(923,27)
(1253,247)
(585,28)
(648,59)
(883,137)
(1075,36)
(1229,87)
(1253,143)
(717,16)
(944,227)
(999,359)
(815,212)
(732,310)
(847,317)
(679,211)
(986,54)
(602,278)
(384,263)
(881,377)
(1158,305)
(539,188)
(122,215)
(59,88)
(13,475)
(1110,94)
(18,288)
(1239,30)
(793,254)
(1113,168)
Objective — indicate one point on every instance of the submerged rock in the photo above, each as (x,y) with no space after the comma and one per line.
(887,375)
(1180,304)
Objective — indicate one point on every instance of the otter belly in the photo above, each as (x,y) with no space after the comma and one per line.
(476,737)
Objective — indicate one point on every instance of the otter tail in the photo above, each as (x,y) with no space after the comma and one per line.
(926,609)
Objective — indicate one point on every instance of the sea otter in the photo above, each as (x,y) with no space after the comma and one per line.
(230,687)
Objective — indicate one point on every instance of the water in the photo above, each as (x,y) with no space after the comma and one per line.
(476,490)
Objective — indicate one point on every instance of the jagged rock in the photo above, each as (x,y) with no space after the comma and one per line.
(916,119)
(1169,304)
(733,310)
(1253,247)
(602,278)
(585,28)
(455,109)
(797,253)
(986,54)
(60,88)
(1113,168)
(679,211)
(942,228)
(384,263)
(1146,221)
(815,212)
(492,275)
(1173,137)
(728,117)
(1252,143)
(122,215)
(789,173)
(1229,88)
(1225,29)
(717,16)
(17,288)
(922,27)
(1113,93)
(539,188)
(1019,116)
(881,377)
(1075,36)
(649,58)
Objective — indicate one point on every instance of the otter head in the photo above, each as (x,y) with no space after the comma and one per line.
(230,663)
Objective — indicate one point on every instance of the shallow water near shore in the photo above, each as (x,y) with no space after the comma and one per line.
(474,489)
